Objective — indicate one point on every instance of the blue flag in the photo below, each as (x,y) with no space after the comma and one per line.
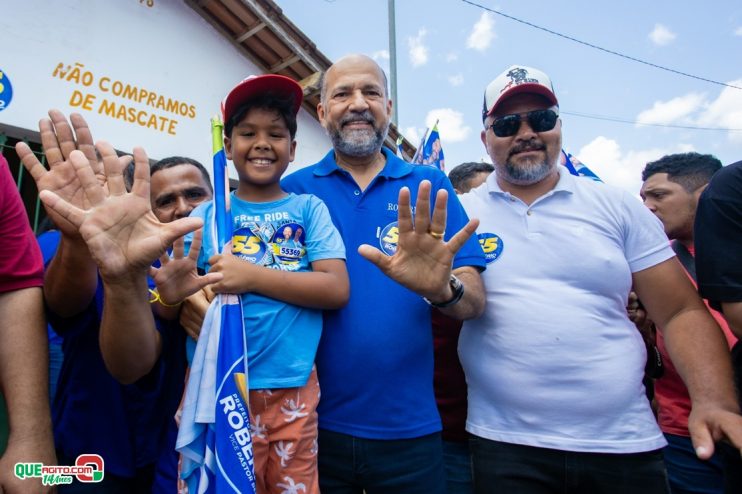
(432,151)
(576,167)
(214,436)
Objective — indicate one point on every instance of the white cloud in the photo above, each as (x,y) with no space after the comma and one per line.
(725,111)
(453,56)
(661,35)
(622,168)
(417,49)
(675,111)
(413,134)
(482,34)
(738,31)
(456,80)
(380,55)
(450,124)
(696,109)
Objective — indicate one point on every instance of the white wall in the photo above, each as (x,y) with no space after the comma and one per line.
(166,49)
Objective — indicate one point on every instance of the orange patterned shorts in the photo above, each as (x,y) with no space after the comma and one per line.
(284,435)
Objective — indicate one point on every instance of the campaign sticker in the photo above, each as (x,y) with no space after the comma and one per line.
(492,246)
(6,90)
(389,238)
(288,243)
(249,247)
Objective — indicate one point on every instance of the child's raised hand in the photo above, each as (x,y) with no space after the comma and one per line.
(178,278)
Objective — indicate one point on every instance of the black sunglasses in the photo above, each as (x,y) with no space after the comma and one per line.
(539,121)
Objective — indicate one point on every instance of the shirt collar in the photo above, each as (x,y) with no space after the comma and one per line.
(566,183)
(395,167)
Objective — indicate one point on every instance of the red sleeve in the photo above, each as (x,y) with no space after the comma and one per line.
(21,265)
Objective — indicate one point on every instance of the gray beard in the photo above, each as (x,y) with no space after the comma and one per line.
(358,143)
(525,175)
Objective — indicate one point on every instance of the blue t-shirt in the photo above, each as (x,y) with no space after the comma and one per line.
(282,338)
(48,243)
(130,426)
(375,358)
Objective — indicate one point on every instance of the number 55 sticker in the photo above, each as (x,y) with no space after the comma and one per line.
(492,246)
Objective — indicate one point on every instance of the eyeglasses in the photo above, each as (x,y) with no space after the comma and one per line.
(538,120)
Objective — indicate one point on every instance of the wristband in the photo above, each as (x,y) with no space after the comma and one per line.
(458,291)
(156,298)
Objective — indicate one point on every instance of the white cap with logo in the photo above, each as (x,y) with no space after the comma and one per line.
(516,79)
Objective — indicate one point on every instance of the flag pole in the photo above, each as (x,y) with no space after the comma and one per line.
(223,226)
(393,61)
(420,146)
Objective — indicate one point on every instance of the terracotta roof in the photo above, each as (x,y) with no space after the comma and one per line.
(260,30)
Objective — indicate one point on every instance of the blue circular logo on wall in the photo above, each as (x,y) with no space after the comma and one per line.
(6,90)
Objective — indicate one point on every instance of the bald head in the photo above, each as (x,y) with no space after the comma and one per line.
(352,62)
(354,108)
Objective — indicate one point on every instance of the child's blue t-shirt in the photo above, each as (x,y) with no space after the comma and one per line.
(288,234)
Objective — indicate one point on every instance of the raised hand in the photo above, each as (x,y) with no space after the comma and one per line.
(121,231)
(178,278)
(59,138)
(423,259)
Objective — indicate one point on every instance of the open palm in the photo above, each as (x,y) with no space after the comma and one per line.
(422,261)
(59,138)
(178,278)
(121,231)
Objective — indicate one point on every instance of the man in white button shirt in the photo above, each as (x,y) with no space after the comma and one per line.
(554,366)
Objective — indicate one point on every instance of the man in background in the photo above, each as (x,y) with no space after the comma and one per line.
(129,425)
(718,237)
(471,175)
(671,189)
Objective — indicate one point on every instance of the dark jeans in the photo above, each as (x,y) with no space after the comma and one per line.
(457,459)
(732,463)
(512,468)
(352,465)
(687,473)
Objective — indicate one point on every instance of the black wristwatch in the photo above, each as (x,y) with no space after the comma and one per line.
(458,291)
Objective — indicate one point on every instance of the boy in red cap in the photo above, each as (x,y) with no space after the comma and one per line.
(284,285)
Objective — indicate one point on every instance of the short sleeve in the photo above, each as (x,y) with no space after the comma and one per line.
(645,241)
(323,241)
(21,264)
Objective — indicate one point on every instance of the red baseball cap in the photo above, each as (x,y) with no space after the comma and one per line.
(254,85)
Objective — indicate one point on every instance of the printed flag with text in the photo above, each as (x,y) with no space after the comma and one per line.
(432,151)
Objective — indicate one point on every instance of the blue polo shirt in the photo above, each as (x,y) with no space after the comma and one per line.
(130,426)
(375,357)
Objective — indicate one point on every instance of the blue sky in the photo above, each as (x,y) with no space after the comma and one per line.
(448,50)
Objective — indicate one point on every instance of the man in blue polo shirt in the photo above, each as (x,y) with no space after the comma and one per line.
(379,426)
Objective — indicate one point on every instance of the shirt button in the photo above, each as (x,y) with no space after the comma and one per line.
(529,213)
(357,192)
